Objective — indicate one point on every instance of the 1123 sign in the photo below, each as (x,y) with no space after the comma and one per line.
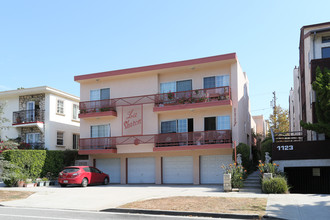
(285,147)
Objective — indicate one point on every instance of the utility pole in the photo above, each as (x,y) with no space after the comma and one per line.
(274,109)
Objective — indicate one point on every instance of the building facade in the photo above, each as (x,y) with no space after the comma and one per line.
(261,127)
(171,123)
(41,117)
(305,155)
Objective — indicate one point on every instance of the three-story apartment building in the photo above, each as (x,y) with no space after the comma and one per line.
(171,123)
(41,117)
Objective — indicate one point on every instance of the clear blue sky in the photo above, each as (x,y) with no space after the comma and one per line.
(49,42)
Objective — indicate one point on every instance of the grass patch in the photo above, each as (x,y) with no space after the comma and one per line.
(203,204)
(13,195)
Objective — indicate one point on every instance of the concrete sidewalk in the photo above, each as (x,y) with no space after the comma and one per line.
(287,206)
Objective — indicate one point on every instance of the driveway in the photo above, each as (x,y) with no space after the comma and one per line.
(94,198)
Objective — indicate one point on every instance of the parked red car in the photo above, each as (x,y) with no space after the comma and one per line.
(82,175)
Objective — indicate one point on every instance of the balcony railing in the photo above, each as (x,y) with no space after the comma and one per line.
(193,138)
(160,140)
(35,146)
(28,116)
(193,96)
(173,98)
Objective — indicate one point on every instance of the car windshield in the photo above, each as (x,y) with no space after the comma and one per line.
(70,170)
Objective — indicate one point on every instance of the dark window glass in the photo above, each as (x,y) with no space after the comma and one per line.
(184,85)
(209,82)
(190,125)
(209,124)
(87,169)
(105,94)
(326,52)
(326,39)
(168,127)
(70,170)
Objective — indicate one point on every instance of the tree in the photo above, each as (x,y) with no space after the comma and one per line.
(321,86)
(2,119)
(279,120)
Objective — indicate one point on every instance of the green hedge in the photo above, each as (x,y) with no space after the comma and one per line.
(37,163)
(275,185)
(244,150)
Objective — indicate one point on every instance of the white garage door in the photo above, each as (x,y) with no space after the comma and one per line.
(210,168)
(178,170)
(141,170)
(111,167)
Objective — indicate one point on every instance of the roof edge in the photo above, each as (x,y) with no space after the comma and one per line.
(222,57)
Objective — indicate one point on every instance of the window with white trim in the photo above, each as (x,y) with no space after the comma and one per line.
(216,81)
(100,131)
(177,126)
(60,106)
(75,112)
(60,138)
(217,123)
(99,94)
(176,86)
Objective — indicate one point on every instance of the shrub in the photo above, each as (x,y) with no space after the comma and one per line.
(266,146)
(237,174)
(275,185)
(36,163)
(269,168)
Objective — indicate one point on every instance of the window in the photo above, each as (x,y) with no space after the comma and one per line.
(100,131)
(177,126)
(32,138)
(75,112)
(326,52)
(216,81)
(75,139)
(178,86)
(217,123)
(99,94)
(60,106)
(326,39)
(60,136)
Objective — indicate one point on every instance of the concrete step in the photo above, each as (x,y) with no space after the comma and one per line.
(252,184)
(252,181)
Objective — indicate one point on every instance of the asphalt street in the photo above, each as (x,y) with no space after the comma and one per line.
(19,213)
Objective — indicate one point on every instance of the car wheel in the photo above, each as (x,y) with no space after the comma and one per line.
(84,182)
(63,185)
(106,181)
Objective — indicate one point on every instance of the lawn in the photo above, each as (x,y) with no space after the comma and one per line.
(13,195)
(204,204)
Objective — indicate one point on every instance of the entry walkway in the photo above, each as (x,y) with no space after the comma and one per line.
(252,183)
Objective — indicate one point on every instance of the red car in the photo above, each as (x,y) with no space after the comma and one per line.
(82,175)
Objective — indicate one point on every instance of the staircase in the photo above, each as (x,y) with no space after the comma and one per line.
(252,183)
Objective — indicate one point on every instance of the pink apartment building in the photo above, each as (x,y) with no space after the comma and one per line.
(172,123)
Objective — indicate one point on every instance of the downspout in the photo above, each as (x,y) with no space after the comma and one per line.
(313,45)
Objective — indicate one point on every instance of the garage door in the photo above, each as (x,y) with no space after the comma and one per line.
(111,167)
(210,168)
(178,170)
(141,170)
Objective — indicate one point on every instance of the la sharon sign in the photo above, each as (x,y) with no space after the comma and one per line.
(132,120)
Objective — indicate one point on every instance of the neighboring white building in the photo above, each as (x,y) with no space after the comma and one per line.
(41,117)
(260,126)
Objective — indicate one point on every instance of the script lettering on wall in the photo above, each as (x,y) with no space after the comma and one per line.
(132,120)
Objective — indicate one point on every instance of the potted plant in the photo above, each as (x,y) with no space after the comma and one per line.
(28,183)
(46,181)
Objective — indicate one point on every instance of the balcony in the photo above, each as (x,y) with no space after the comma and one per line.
(163,102)
(193,99)
(193,140)
(98,108)
(28,118)
(322,63)
(34,146)
(162,142)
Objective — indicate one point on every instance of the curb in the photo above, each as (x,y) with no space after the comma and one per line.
(179,213)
